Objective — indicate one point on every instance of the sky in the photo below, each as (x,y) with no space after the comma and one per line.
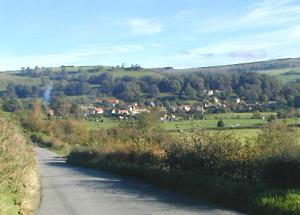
(152,33)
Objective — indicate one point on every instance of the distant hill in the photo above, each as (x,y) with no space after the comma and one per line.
(284,69)
(164,84)
(261,66)
(33,76)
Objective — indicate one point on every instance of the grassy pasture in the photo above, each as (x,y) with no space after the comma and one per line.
(136,74)
(186,126)
(117,73)
(6,78)
(211,123)
(279,71)
(286,74)
(236,115)
(234,122)
(106,124)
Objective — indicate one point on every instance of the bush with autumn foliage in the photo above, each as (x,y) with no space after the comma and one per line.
(213,165)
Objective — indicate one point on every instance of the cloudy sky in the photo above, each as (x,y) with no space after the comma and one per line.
(153,33)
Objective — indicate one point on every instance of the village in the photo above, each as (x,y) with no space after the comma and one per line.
(213,103)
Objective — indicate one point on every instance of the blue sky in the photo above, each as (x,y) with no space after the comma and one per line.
(153,33)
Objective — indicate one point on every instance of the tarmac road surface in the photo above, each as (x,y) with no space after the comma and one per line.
(69,190)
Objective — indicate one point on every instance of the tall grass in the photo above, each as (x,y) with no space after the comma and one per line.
(16,160)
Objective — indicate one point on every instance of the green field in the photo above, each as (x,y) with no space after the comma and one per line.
(242,133)
(106,124)
(279,71)
(236,115)
(187,125)
(6,78)
(287,69)
(286,74)
(136,74)
(235,124)
(211,123)
(98,70)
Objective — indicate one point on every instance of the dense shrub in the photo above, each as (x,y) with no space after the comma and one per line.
(282,172)
(280,155)
(221,124)
(270,158)
(216,154)
(41,139)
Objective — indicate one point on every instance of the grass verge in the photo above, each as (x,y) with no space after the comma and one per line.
(19,180)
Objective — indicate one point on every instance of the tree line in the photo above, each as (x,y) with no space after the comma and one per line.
(251,87)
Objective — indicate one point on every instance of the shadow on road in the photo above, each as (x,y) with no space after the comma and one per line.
(117,186)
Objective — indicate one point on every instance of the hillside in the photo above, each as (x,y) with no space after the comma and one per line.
(285,69)
(248,67)
(32,77)
(14,77)
(137,83)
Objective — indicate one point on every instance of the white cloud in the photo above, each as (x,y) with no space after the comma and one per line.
(248,54)
(246,48)
(266,14)
(257,41)
(272,12)
(144,26)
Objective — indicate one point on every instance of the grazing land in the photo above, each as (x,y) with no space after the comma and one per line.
(13,77)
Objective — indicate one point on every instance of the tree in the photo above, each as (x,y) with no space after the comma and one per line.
(12,105)
(127,91)
(175,86)
(197,83)
(45,81)
(189,92)
(271,118)
(10,90)
(256,115)
(221,124)
(37,112)
(148,122)
(153,91)
(76,110)
(297,101)
(58,104)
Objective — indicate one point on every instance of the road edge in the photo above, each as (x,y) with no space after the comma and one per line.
(32,185)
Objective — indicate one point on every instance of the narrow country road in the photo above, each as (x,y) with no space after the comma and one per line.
(69,190)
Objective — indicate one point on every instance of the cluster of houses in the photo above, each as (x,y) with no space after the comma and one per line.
(117,108)
(112,107)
